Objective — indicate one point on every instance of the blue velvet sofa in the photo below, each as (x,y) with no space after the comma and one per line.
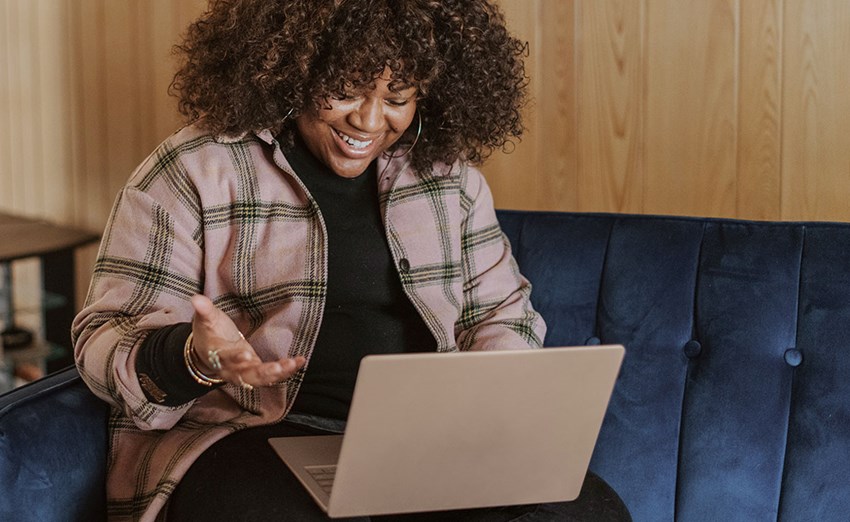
(733,402)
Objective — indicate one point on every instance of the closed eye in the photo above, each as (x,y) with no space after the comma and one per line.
(341,96)
(399,102)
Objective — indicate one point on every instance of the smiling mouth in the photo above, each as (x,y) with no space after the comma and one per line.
(353,143)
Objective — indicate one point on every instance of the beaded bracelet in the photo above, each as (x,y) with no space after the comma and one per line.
(197,374)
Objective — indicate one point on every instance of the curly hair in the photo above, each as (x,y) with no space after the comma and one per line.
(249,65)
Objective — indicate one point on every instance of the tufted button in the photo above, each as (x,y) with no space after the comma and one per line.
(404,265)
(593,341)
(793,357)
(692,349)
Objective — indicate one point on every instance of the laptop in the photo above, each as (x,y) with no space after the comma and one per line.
(442,431)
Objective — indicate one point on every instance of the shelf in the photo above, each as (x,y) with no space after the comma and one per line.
(53,307)
(26,237)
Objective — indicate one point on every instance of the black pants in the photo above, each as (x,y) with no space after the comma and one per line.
(240,478)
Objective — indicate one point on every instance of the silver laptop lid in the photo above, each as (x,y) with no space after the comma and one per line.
(433,432)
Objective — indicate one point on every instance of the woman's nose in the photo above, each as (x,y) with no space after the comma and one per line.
(369,115)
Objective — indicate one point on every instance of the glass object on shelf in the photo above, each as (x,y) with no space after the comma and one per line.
(23,353)
(12,336)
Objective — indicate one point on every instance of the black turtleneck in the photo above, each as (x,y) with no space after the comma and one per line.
(367,311)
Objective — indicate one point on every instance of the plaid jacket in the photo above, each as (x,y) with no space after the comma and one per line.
(229,219)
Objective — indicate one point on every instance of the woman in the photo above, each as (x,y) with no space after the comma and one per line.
(318,207)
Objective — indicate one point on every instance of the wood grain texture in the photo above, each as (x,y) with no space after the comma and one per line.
(16,86)
(29,182)
(82,101)
(540,171)
(556,96)
(90,101)
(120,121)
(700,107)
(54,140)
(816,104)
(5,109)
(513,176)
(760,115)
(611,84)
(691,107)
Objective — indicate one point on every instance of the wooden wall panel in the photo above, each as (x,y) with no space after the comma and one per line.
(730,108)
(121,118)
(82,101)
(17,156)
(26,102)
(556,133)
(816,105)
(705,107)
(54,141)
(90,101)
(6,158)
(760,114)
(611,85)
(691,107)
(164,21)
(550,141)
(540,171)
(517,173)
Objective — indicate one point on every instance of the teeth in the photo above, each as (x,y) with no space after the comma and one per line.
(357,144)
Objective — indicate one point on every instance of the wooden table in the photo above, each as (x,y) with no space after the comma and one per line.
(54,245)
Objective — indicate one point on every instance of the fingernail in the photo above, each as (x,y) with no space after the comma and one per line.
(277,368)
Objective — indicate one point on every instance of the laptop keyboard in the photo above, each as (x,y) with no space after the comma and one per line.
(323,475)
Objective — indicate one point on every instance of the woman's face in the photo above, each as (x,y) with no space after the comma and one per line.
(356,128)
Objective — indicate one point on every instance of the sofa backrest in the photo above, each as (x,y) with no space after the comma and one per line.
(733,402)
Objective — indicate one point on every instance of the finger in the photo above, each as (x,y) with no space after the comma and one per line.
(290,366)
(233,359)
(204,308)
(270,372)
(281,369)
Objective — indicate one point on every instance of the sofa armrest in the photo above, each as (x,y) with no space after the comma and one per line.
(53,447)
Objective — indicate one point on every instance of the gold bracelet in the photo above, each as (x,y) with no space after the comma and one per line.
(196,373)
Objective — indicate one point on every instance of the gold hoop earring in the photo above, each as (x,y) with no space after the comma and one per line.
(415,140)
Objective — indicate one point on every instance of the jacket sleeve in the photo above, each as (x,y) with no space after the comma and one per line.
(149,265)
(497,312)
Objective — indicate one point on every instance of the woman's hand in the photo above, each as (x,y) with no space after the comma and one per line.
(238,363)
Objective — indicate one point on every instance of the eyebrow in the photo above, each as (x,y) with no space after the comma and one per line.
(400,91)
